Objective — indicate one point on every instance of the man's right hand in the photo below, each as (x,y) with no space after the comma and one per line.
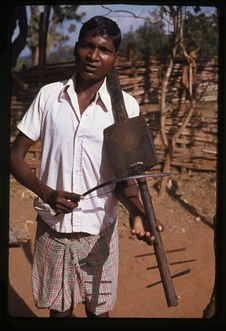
(63,202)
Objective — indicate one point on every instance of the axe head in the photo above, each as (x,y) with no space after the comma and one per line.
(130,147)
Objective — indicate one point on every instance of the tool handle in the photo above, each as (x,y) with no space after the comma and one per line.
(117,100)
(158,245)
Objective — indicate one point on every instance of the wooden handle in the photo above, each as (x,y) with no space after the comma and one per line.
(170,294)
(117,100)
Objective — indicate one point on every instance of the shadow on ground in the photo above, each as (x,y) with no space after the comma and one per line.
(17,307)
(172,191)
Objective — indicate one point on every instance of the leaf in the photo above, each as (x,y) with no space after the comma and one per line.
(72,28)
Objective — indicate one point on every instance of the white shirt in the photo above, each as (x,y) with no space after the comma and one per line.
(73,155)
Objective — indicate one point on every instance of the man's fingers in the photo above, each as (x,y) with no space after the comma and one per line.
(145,236)
(77,197)
(70,200)
(66,202)
(65,206)
(74,197)
(150,240)
(137,233)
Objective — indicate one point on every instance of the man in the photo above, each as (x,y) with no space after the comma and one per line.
(76,246)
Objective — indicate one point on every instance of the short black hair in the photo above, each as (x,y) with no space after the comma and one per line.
(102,25)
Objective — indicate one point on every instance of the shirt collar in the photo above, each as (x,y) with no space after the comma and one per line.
(102,93)
(104,96)
(66,84)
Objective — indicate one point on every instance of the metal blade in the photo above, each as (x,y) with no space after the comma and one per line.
(113,181)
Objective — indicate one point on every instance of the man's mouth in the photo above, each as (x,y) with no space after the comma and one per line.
(90,67)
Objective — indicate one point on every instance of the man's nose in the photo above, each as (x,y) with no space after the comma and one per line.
(93,54)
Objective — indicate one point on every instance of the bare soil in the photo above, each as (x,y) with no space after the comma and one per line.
(187,213)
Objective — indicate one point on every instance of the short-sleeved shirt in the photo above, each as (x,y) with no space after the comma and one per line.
(74,158)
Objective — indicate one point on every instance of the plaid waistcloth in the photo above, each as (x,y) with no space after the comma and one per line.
(66,272)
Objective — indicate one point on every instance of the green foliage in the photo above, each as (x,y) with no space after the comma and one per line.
(67,12)
(201,31)
(151,39)
(33,28)
(22,63)
(72,28)
(58,15)
(63,53)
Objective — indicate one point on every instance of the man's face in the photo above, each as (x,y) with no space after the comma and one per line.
(95,56)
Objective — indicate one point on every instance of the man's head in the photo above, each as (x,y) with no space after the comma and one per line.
(96,51)
(101,26)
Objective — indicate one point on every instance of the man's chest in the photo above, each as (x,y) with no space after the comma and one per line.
(64,125)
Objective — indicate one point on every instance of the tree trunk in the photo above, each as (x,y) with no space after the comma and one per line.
(33,44)
(35,54)
(19,15)
(43,30)
(166,168)
(167,163)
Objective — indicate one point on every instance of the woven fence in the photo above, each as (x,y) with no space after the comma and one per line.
(196,147)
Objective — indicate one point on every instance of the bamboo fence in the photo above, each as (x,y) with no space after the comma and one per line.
(196,147)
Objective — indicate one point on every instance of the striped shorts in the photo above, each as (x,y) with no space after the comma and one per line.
(66,272)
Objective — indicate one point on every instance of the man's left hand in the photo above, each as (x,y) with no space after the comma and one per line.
(139,227)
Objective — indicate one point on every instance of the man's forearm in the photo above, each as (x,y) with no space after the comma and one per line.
(25,176)
(61,201)
(128,195)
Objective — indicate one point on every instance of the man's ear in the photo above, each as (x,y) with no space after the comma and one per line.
(75,49)
(117,58)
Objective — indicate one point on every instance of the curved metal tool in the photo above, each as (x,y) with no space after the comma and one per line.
(113,181)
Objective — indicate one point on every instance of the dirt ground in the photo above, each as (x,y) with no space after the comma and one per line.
(187,213)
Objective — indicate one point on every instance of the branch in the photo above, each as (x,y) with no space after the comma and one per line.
(134,15)
(194,104)
(185,123)
(163,103)
(164,88)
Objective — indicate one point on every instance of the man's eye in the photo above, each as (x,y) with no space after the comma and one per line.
(85,46)
(105,50)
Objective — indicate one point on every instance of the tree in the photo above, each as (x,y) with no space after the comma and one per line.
(149,39)
(33,34)
(61,13)
(129,38)
(152,39)
(201,30)
(18,15)
(175,17)
(176,14)
(63,53)
(58,15)
(43,32)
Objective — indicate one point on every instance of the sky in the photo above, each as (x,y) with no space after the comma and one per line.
(125,21)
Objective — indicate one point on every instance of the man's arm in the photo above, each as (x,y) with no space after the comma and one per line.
(128,194)
(60,201)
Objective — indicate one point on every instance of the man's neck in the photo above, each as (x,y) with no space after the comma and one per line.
(86,92)
(87,87)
